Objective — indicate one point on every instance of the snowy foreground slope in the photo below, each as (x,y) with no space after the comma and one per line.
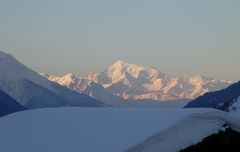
(109,130)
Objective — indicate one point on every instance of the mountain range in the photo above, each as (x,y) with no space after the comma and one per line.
(123,83)
(33,91)
(120,85)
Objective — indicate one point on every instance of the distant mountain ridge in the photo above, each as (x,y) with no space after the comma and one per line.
(132,82)
(226,99)
(33,91)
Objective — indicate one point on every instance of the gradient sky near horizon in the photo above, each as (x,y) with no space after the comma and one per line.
(82,36)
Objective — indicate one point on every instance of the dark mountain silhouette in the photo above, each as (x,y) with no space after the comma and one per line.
(8,105)
(222,99)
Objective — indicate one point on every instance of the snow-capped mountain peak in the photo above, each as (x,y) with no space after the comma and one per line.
(67,80)
(119,69)
(121,63)
(123,71)
(69,77)
(136,82)
(198,78)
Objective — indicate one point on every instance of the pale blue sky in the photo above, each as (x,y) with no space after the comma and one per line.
(82,36)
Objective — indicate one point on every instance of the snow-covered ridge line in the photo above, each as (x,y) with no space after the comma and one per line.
(135,82)
(93,129)
(187,132)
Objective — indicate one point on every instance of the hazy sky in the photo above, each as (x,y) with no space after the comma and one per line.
(82,36)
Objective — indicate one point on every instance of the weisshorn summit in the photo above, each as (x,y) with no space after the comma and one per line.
(139,85)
